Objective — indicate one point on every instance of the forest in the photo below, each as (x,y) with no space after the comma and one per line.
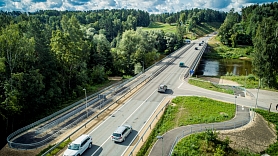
(47,57)
(256,26)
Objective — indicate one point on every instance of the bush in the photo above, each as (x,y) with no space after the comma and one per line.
(251,77)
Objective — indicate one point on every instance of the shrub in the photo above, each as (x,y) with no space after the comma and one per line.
(251,77)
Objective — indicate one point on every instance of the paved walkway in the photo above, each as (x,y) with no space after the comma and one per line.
(163,147)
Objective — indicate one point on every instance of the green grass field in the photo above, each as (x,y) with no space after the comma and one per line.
(160,26)
(200,30)
(186,111)
(209,86)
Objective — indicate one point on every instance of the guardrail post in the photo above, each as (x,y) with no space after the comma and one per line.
(190,130)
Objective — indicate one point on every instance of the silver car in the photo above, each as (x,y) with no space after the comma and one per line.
(162,88)
(121,133)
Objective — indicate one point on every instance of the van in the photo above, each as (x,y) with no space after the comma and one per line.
(121,133)
(79,146)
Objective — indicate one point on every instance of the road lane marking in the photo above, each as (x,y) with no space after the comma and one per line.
(143,126)
(123,122)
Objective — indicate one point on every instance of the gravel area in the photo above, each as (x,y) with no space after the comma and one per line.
(255,136)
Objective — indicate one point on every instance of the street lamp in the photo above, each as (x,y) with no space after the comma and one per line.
(234,94)
(143,67)
(245,77)
(258,93)
(86,102)
(160,137)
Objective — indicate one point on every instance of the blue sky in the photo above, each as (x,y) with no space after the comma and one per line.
(152,6)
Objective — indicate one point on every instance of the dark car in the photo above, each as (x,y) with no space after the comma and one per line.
(181,64)
(196,48)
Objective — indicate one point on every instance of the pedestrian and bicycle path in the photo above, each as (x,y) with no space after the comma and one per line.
(163,146)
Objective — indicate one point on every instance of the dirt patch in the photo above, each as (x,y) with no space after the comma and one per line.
(116,78)
(255,136)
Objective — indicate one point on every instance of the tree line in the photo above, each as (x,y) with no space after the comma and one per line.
(48,57)
(256,26)
(190,18)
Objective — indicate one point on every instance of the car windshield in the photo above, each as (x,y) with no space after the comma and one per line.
(161,87)
(73,147)
(116,135)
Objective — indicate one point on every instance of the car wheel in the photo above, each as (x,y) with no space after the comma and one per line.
(123,139)
(90,145)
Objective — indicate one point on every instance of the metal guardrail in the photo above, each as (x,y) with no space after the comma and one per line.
(146,80)
(107,89)
(149,127)
(215,126)
(21,130)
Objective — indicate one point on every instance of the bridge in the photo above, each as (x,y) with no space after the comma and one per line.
(132,101)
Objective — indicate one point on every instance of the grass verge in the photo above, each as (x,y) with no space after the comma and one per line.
(209,85)
(187,111)
(55,150)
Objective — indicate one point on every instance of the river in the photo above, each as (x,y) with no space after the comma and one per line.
(217,68)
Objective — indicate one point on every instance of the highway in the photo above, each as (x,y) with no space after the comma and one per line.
(140,107)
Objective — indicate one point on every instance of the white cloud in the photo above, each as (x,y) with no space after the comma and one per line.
(152,6)
(214,4)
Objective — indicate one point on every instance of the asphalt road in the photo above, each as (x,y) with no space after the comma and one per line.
(140,107)
(163,147)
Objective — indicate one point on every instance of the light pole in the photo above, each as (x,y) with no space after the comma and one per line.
(143,67)
(234,94)
(160,137)
(86,102)
(258,93)
(245,77)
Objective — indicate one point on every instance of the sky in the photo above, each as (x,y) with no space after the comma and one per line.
(151,6)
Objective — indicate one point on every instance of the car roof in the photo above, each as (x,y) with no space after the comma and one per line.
(80,139)
(120,129)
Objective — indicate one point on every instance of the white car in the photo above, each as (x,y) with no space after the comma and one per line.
(79,146)
(121,133)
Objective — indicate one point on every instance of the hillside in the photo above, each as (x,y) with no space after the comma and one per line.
(200,30)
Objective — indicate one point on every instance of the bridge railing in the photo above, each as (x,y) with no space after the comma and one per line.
(146,80)
(43,142)
(215,126)
(149,127)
